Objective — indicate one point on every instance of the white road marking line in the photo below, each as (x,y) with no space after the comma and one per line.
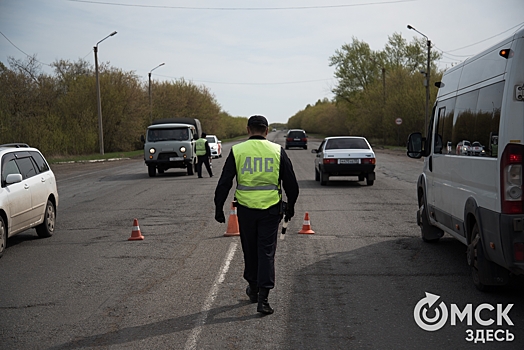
(193,337)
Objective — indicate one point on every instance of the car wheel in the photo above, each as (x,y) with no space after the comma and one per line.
(305,147)
(481,268)
(287,147)
(324,178)
(317,175)
(369,182)
(47,227)
(361,178)
(428,232)
(220,155)
(151,170)
(3,236)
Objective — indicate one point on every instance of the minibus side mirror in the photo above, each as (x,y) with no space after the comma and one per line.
(142,138)
(414,146)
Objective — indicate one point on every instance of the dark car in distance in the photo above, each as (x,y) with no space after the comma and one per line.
(296,138)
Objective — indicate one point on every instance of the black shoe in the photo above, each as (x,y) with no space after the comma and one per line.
(263,307)
(252,293)
(200,177)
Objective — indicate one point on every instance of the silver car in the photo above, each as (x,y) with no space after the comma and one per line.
(28,193)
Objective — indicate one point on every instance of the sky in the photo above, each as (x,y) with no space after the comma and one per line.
(256,57)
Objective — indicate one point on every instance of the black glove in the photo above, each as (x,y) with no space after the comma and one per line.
(219,215)
(290,212)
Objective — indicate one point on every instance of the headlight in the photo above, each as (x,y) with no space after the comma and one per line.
(152,151)
(214,147)
(182,149)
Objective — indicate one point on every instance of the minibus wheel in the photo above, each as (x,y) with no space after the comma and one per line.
(429,233)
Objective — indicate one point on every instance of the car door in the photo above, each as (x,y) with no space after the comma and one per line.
(18,197)
(36,185)
(320,156)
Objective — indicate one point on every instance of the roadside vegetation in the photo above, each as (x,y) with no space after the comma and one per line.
(58,113)
(374,89)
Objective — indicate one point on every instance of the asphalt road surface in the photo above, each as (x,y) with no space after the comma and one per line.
(353,284)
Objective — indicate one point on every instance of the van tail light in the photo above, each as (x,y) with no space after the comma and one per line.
(303,139)
(511,174)
(330,161)
(289,139)
(518,249)
(367,161)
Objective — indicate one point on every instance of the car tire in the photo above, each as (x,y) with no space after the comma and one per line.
(3,236)
(477,260)
(305,147)
(369,182)
(151,170)
(220,156)
(324,178)
(429,233)
(287,147)
(317,175)
(47,227)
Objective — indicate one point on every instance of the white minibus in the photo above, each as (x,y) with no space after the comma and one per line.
(477,196)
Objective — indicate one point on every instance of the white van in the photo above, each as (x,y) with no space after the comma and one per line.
(477,198)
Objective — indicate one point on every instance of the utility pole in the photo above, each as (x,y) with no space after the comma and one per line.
(427,74)
(98,101)
(150,99)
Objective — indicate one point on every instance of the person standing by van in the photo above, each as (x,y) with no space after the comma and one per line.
(203,153)
(259,166)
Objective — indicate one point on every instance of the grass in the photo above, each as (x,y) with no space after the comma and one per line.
(96,156)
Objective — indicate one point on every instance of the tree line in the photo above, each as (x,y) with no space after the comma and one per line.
(373,90)
(58,114)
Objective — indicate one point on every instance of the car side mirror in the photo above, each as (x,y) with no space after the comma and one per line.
(414,146)
(314,151)
(142,138)
(13,178)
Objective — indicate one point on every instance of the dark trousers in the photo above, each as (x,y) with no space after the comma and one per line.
(258,235)
(204,160)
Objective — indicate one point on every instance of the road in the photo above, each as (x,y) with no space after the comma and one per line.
(353,284)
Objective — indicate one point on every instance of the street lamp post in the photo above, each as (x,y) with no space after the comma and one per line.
(150,100)
(99,104)
(427,74)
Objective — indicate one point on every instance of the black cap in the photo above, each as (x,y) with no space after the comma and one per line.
(257,120)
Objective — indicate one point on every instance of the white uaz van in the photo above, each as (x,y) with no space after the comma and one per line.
(477,196)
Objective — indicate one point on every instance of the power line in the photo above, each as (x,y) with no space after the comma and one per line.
(460,48)
(241,8)
(23,51)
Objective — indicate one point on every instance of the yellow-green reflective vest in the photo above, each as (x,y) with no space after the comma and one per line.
(258,167)
(200,147)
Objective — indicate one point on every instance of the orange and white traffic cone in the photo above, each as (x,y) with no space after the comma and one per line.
(136,235)
(306,227)
(232,223)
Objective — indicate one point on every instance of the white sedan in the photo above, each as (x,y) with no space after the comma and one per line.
(215,145)
(344,156)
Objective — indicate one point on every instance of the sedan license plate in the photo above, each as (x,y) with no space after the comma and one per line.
(349,161)
(174,159)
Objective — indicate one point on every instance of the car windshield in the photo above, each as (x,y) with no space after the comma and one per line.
(210,139)
(352,143)
(154,135)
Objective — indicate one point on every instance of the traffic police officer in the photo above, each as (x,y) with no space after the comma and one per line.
(260,166)
(203,153)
